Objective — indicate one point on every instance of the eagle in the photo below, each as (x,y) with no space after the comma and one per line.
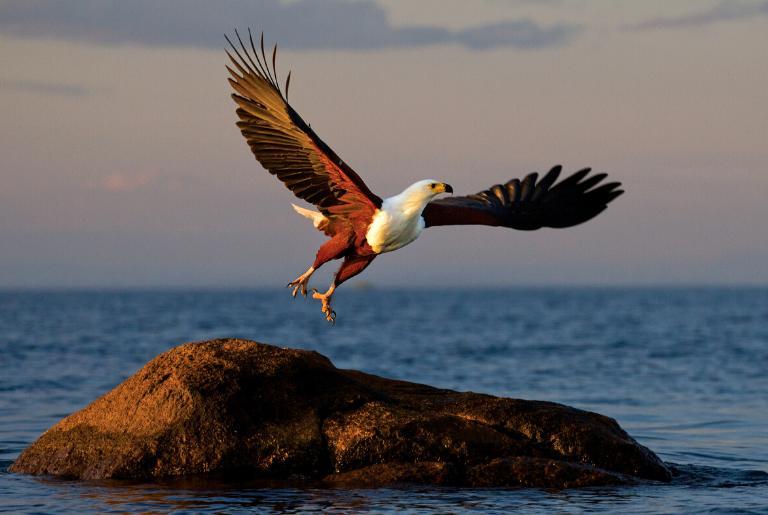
(361,225)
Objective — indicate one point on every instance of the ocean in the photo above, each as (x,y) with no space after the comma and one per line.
(683,370)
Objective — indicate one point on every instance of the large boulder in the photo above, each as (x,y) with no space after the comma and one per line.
(254,410)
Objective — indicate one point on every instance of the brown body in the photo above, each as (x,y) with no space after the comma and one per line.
(357,255)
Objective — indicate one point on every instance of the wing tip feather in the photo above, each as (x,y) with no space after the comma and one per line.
(250,68)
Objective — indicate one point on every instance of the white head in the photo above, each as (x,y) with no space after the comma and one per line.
(418,194)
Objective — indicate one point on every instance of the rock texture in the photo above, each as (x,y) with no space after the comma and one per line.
(250,409)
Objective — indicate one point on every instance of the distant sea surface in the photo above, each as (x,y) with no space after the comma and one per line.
(683,370)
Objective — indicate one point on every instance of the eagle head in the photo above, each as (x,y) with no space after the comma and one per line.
(427,189)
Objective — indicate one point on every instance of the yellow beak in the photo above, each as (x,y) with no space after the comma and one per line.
(446,188)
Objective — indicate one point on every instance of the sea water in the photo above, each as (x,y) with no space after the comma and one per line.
(683,370)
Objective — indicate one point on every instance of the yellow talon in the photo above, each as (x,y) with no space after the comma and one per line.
(325,298)
(301,282)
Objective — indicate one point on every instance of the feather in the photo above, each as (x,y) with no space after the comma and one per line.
(526,205)
(284,144)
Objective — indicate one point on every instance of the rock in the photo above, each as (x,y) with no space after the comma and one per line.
(250,409)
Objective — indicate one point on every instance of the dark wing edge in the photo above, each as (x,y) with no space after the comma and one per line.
(281,140)
(528,205)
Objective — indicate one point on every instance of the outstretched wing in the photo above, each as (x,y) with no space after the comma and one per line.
(528,205)
(285,145)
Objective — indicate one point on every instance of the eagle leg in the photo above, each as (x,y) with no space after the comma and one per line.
(301,282)
(329,313)
(350,267)
(331,249)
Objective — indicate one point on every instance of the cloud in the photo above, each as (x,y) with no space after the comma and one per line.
(43,87)
(300,24)
(123,183)
(518,34)
(721,12)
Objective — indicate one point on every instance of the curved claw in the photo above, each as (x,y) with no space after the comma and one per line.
(299,285)
(325,298)
(303,287)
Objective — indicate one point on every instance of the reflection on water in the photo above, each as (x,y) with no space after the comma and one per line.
(712,486)
(682,369)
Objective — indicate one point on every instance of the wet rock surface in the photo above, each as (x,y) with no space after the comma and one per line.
(243,408)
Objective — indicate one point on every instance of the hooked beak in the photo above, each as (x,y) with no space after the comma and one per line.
(447,188)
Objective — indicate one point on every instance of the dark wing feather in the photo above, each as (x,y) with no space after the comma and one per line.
(285,145)
(528,205)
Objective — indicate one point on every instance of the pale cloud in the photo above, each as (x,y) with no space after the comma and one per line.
(302,24)
(124,182)
(722,12)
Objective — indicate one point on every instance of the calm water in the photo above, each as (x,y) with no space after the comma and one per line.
(685,371)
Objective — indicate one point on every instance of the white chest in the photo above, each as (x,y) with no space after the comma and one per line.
(392,229)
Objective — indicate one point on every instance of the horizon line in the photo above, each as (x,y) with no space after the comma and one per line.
(372,287)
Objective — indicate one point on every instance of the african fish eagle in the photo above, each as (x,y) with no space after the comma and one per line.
(360,224)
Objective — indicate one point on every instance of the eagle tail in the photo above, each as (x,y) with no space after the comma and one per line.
(318,219)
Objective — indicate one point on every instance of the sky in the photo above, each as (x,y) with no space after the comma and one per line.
(121,165)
